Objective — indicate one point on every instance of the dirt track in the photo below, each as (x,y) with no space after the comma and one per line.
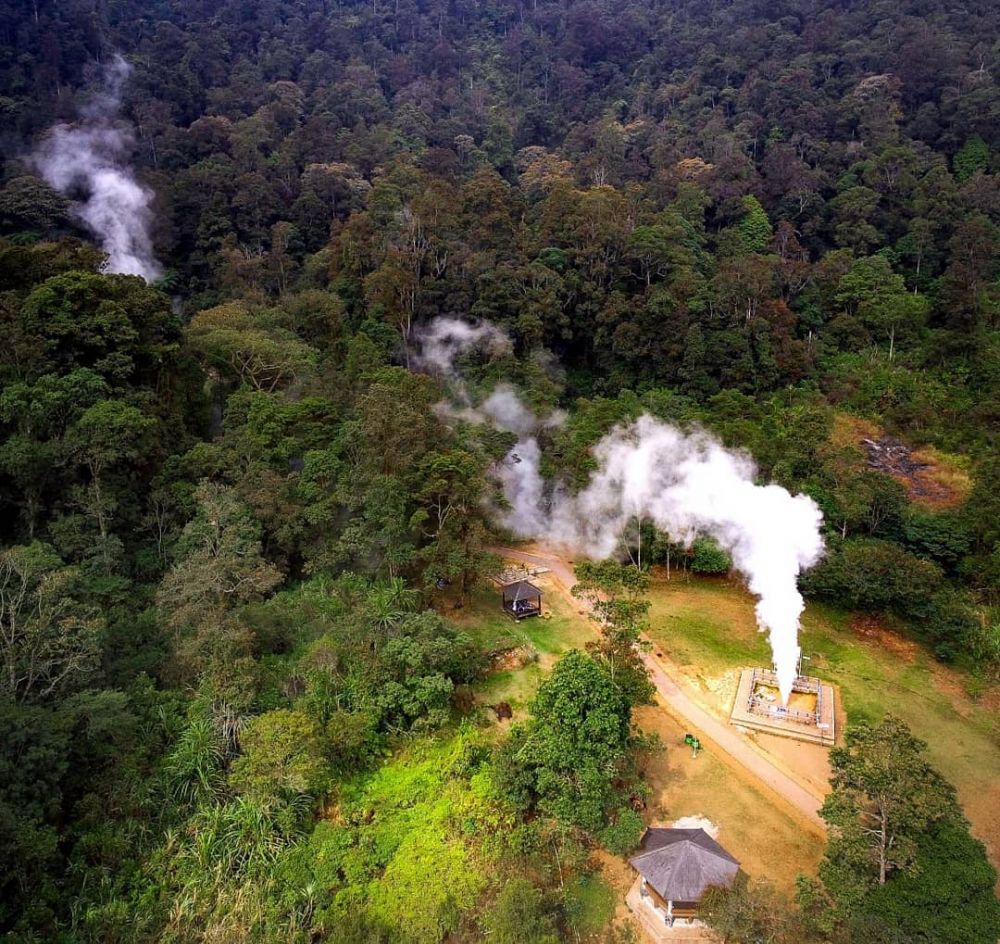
(714,734)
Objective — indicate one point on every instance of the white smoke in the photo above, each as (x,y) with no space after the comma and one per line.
(89,158)
(687,484)
(444,339)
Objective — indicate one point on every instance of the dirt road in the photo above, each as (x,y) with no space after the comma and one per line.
(728,744)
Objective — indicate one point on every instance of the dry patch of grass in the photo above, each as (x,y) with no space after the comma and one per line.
(850,431)
(708,627)
(769,843)
(931,477)
(944,481)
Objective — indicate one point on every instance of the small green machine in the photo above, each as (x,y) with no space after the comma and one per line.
(693,743)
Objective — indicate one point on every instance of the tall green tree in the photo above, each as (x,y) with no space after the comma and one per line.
(617,595)
(572,753)
(49,637)
(884,796)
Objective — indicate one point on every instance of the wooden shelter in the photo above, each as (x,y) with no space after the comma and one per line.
(677,867)
(521,599)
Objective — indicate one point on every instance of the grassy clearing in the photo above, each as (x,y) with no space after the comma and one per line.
(763,836)
(590,904)
(768,842)
(547,638)
(708,626)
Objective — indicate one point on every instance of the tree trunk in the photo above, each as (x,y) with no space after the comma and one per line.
(883,846)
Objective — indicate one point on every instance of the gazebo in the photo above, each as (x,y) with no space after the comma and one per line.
(521,599)
(676,867)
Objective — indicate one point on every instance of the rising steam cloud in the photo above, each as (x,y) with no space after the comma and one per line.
(686,483)
(444,339)
(87,161)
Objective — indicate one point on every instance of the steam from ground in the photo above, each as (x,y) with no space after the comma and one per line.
(444,339)
(87,161)
(686,483)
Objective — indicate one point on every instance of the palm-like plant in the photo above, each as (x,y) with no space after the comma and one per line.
(390,601)
(194,768)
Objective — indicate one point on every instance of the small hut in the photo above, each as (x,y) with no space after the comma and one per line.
(521,599)
(676,867)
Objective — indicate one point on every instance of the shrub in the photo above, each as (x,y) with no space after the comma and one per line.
(708,558)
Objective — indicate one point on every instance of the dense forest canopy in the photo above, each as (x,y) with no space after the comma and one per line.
(229,502)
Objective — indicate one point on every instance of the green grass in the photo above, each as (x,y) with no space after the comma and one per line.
(710,626)
(516,687)
(549,638)
(483,619)
(590,904)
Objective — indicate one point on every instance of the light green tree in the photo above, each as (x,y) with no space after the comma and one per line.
(49,640)
(282,755)
(754,229)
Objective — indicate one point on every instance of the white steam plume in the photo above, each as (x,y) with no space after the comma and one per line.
(444,339)
(687,484)
(87,159)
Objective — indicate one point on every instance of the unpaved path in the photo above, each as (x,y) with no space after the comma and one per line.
(729,745)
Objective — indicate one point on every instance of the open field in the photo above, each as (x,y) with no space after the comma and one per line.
(768,842)
(707,630)
(704,630)
(764,836)
(549,638)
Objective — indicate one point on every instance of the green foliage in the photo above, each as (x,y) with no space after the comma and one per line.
(624,834)
(570,758)
(283,755)
(257,347)
(28,204)
(971,158)
(875,575)
(50,639)
(33,760)
(616,594)
(590,904)
(407,853)
(884,796)
(193,770)
(173,455)
(708,558)
(754,230)
(949,897)
(115,325)
(878,299)
(749,911)
(900,863)
(520,914)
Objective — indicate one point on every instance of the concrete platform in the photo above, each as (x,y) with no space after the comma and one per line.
(655,930)
(777,722)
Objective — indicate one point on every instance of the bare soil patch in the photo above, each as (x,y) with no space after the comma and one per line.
(928,477)
(873,630)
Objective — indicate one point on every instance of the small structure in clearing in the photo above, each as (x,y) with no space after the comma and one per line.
(676,867)
(521,599)
(808,716)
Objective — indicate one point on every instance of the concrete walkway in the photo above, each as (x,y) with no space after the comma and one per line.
(728,744)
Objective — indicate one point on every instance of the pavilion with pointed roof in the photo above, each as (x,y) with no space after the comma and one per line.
(676,867)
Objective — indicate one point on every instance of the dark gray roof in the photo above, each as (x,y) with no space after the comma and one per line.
(680,864)
(520,588)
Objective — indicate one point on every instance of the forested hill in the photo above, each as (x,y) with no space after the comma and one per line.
(860,125)
(234,523)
